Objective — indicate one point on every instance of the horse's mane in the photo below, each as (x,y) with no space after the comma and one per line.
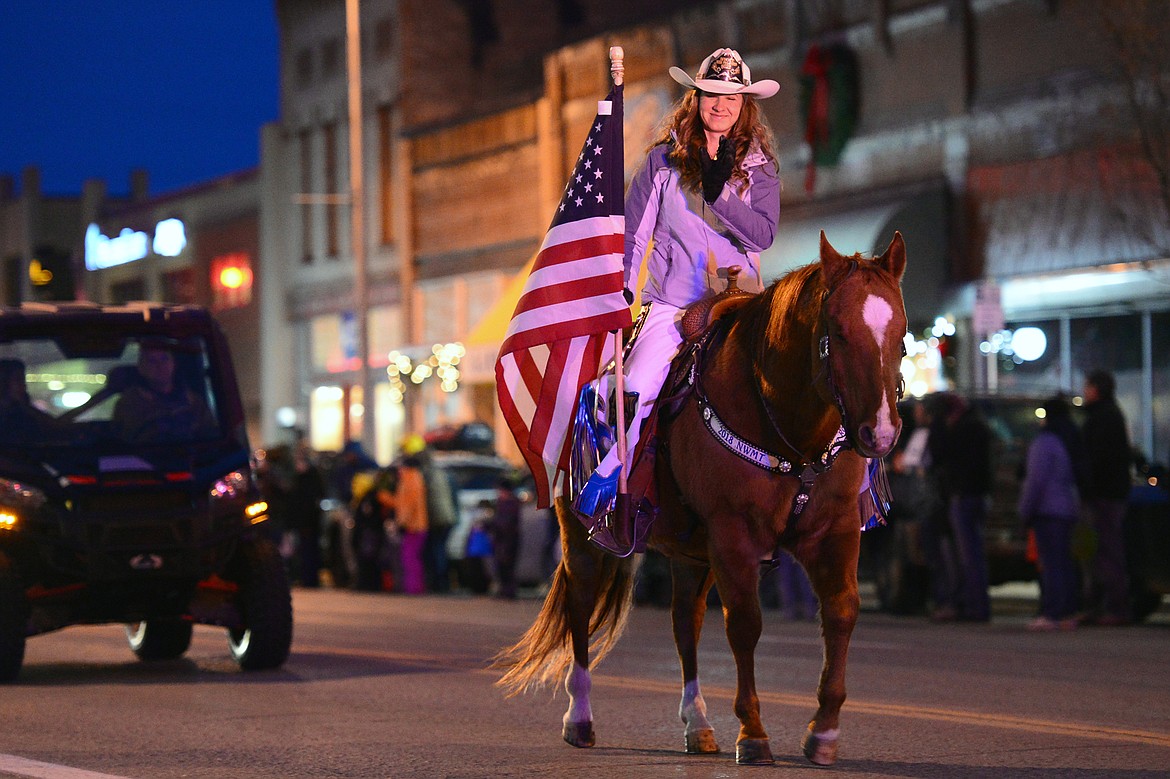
(795,296)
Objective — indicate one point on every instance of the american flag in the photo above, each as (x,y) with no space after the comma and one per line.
(571,302)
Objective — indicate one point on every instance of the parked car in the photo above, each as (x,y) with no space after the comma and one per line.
(474,477)
(159,530)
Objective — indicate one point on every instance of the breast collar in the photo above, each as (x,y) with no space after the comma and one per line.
(744,449)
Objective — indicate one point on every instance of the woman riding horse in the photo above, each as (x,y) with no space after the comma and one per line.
(767,453)
(709,197)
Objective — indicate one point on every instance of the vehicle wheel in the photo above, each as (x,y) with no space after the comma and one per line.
(13,621)
(266,605)
(159,639)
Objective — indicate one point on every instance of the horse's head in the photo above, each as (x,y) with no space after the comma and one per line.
(861,343)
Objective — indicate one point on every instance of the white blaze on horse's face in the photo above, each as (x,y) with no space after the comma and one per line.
(877,312)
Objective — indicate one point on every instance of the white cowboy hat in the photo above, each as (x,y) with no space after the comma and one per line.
(725,73)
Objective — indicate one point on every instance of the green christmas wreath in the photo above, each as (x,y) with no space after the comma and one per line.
(829,100)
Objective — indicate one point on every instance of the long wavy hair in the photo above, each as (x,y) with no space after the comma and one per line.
(683,131)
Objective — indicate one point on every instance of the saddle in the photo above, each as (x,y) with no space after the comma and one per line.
(624,530)
(701,315)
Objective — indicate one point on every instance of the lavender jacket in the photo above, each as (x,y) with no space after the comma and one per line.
(1050,487)
(695,242)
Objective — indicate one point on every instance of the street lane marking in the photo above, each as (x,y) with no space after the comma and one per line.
(20,766)
(984,719)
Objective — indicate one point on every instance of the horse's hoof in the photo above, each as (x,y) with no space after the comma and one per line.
(753,751)
(819,749)
(579,734)
(702,742)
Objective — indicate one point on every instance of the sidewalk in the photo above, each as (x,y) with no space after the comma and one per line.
(1014,600)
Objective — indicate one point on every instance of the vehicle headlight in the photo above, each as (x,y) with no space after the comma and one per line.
(257,512)
(18,500)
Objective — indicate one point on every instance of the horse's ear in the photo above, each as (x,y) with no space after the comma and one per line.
(894,258)
(834,267)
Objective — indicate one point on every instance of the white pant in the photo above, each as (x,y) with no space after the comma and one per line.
(645,369)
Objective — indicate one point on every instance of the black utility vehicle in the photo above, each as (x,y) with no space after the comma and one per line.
(126,489)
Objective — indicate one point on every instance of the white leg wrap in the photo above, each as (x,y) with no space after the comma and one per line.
(692,710)
(578,684)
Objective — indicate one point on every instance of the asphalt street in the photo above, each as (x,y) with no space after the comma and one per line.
(392,686)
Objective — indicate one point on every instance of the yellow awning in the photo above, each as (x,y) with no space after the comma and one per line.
(490,329)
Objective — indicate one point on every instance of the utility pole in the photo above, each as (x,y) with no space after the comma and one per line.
(361,292)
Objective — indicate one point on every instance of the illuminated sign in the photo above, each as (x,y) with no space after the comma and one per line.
(38,274)
(231,281)
(101,251)
(170,238)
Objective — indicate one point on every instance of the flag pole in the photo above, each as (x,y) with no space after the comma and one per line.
(617,70)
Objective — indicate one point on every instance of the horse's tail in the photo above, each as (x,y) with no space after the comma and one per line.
(545,651)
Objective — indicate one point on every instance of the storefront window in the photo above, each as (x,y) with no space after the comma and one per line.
(1112,343)
(385,333)
(326,429)
(1160,348)
(1028,358)
(325,334)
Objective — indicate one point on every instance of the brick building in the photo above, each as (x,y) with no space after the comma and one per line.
(995,134)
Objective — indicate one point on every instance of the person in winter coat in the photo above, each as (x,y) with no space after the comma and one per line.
(410,504)
(1049,505)
(960,449)
(304,514)
(1106,493)
(505,533)
(708,197)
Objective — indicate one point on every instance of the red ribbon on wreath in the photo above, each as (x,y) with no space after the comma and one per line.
(816,128)
(830,100)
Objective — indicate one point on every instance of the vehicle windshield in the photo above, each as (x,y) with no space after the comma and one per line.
(85,388)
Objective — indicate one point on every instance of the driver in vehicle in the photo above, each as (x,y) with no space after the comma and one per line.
(157,408)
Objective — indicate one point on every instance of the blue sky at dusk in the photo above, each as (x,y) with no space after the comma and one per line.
(96,89)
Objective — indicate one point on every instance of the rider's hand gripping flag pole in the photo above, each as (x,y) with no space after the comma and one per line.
(622,501)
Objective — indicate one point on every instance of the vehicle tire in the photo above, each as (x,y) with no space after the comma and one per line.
(266,606)
(159,639)
(13,621)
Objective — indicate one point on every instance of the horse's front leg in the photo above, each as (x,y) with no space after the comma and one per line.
(833,572)
(690,584)
(738,583)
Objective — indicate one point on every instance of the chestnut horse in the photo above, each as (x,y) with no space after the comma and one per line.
(808,370)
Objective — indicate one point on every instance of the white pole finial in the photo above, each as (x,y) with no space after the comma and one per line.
(617,67)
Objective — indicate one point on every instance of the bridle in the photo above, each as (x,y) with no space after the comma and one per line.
(826,370)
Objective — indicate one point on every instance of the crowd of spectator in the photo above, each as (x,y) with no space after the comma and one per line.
(342,519)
